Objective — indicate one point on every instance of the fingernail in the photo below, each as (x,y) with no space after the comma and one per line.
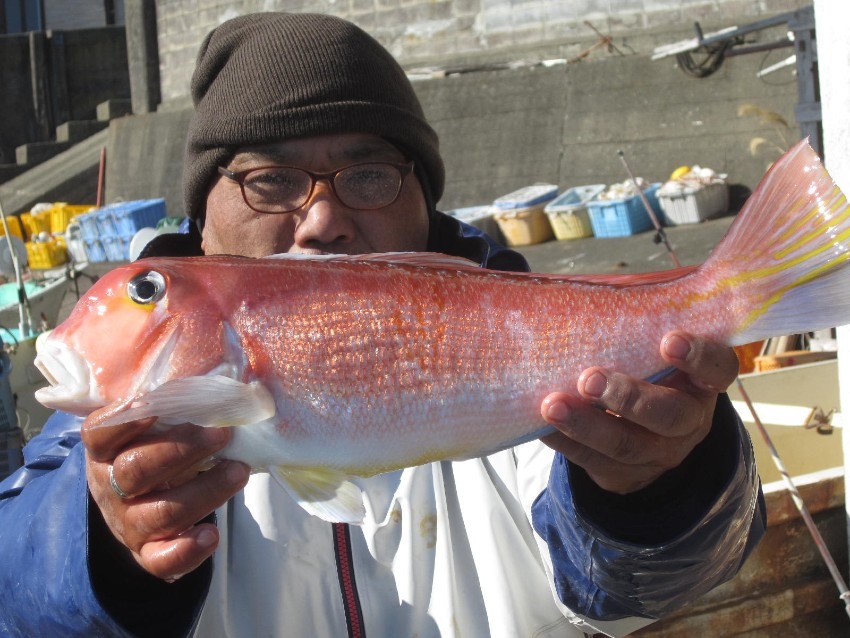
(236,472)
(205,538)
(558,411)
(595,385)
(677,348)
(215,436)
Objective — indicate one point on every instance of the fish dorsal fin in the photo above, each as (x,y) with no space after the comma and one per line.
(323,492)
(630,279)
(428,260)
(210,401)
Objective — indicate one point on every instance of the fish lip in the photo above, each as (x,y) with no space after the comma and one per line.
(68,374)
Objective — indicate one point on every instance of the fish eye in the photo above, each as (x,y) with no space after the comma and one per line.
(146,288)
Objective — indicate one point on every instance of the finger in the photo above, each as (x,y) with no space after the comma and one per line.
(711,366)
(667,411)
(607,473)
(172,559)
(165,515)
(600,434)
(168,457)
(103,443)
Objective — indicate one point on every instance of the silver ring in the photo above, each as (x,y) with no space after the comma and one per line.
(114,484)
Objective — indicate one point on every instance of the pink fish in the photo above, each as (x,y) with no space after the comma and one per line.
(339,367)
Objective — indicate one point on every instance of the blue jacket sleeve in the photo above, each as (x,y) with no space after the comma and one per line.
(648,553)
(63,573)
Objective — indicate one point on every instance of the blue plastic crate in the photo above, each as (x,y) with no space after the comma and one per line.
(116,248)
(94,250)
(106,221)
(88,226)
(138,214)
(623,217)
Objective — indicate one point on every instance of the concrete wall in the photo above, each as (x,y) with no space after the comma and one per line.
(95,69)
(437,32)
(18,122)
(79,14)
(51,78)
(500,130)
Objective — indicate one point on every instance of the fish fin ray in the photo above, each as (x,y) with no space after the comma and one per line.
(323,492)
(430,260)
(783,264)
(221,402)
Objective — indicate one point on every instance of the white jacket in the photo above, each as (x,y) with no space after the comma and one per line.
(447,550)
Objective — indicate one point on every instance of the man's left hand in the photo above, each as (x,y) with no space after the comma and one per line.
(627,432)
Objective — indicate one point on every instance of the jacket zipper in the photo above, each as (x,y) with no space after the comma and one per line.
(347,582)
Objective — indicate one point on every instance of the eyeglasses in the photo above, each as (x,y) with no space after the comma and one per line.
(282,189)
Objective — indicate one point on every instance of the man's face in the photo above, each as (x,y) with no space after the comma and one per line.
(323,224)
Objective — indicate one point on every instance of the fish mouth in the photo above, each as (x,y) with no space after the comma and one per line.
(69,377)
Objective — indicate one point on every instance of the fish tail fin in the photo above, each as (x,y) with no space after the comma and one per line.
(785,258)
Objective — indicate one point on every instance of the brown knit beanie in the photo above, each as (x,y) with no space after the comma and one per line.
(268,77)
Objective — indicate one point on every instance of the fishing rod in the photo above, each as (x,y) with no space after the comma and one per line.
(660,235)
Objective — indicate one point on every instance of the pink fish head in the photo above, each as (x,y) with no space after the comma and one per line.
(122,338)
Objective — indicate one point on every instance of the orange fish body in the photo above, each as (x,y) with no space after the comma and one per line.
(338,367)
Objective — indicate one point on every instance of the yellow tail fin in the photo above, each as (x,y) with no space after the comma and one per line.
(787,255)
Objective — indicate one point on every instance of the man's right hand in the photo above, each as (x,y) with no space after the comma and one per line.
(166,493)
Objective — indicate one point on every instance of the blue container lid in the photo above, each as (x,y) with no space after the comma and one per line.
(527,196)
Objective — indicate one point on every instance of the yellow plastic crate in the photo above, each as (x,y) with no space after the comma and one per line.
(47,254)
(61,215)
(35,223)
(14,227)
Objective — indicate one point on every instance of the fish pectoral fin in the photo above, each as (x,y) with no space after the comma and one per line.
(210,401)
(323,492)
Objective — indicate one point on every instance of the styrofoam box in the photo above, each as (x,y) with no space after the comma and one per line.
(623,217)
(568,211)
(694,205)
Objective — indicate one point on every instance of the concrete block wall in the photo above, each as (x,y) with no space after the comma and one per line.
(441,32)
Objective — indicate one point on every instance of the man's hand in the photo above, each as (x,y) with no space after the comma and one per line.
(166,495)
(628,432)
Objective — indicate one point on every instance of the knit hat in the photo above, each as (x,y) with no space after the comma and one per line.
(269,77)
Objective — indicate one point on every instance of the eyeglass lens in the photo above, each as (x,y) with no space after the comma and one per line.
(283,188)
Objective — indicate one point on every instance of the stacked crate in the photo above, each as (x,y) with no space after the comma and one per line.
(107,231)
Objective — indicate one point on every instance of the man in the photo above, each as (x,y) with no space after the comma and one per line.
(308,138)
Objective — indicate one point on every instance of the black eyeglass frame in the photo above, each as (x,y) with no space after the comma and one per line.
(239,177)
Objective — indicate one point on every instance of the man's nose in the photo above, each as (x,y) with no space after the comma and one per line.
(324,219)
